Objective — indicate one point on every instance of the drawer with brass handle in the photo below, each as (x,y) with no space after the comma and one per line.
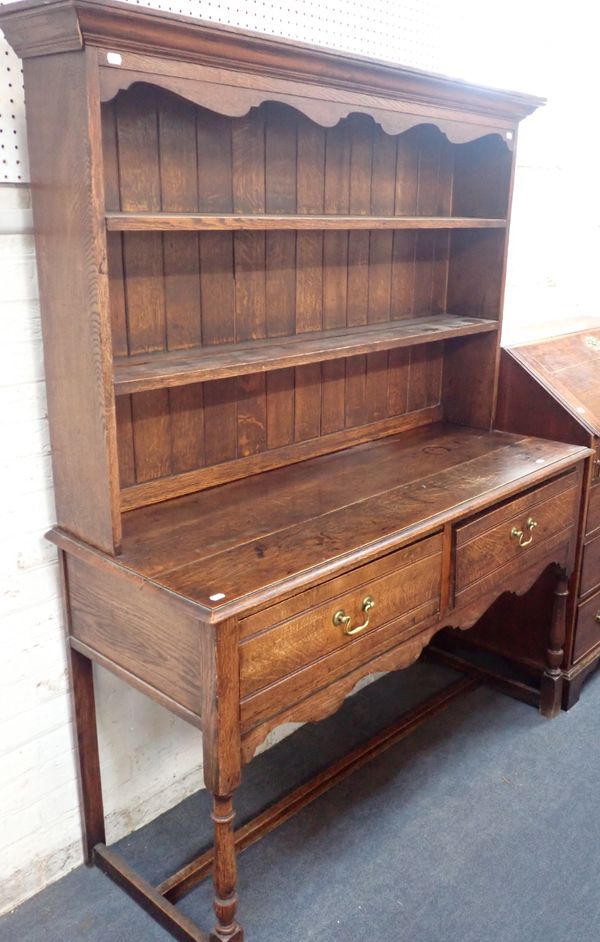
(587,633)
(349,610)
(514,531)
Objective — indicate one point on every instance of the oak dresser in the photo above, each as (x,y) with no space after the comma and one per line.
(271,279)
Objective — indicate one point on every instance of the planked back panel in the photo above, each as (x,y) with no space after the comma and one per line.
(178,290)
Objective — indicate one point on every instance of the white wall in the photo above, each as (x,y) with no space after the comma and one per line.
(150,759)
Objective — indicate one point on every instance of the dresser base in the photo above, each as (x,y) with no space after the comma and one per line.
(160,901)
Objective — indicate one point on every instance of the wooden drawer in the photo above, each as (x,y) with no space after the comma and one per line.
(490,542)
(587,632)
(593,514)
(590,574)
(292,634)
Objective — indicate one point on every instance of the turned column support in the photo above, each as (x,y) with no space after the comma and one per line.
(552,679)
(225,872)
(222,765)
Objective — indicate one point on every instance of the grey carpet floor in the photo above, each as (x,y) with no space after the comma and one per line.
(482,826)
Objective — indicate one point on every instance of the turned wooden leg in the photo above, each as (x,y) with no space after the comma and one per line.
(552,679)
(84,719)
(224,872)
(219,650)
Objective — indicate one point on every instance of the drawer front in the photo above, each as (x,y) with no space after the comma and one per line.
(295,633)
(590,575)
(587,632)
(513,531)
(593,514)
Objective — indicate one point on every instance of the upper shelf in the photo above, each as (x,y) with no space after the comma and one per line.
(123,222)
(148,371)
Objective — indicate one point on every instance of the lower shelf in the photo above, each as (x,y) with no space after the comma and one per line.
(162,370)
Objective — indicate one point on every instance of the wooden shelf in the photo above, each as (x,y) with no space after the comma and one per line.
(123,222)
(199,364)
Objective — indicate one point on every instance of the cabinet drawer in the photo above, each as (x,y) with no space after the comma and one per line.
(312,625)
(590,574)
(587,632)
(593,514)
(492,540)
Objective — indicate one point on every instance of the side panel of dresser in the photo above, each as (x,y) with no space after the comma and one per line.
(155,641)
(64,137)
(136,629)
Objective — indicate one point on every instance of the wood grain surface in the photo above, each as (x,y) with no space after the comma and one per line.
(182,222)
(213,310)
(270,532)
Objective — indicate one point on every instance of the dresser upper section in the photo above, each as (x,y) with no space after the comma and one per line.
(251,252)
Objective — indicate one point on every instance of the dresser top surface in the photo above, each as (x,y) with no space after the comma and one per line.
(237,545)
(567,365)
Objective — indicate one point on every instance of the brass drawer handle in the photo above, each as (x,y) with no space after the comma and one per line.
(340,617)
(597,616)
(517,534)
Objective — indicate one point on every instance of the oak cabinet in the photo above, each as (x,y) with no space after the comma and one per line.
(271,279)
